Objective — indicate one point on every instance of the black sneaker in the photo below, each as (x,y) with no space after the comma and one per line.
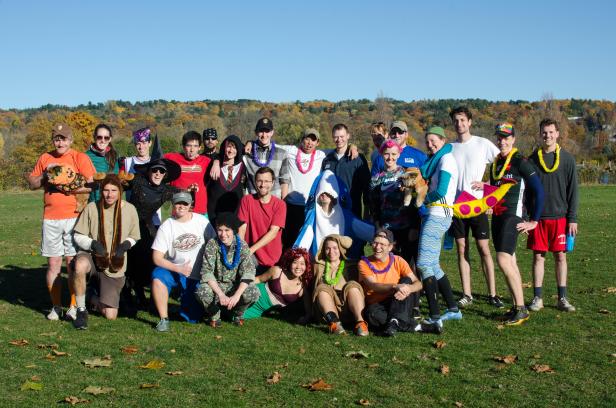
(415,314)
(520,316)
(391,329)
(432,326)
(465,301)
(81,321)
(496,302)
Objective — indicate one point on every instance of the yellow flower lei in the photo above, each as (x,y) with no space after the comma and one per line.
(556,161)
(502,172)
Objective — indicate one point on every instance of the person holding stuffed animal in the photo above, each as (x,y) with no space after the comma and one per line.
(105,231)
(60,208)
(441,171)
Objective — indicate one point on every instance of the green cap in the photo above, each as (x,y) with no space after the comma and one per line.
(436,130)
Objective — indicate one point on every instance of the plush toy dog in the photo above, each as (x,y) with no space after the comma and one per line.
(65,179)
(413,182)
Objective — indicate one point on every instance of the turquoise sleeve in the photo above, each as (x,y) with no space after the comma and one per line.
(441,189)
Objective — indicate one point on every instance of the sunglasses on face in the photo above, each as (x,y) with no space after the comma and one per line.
(397,132)
(159,170)
(105,138)
(210,138)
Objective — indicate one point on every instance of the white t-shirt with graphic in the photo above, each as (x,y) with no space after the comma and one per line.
(472,157)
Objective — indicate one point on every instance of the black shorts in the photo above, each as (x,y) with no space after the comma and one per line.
(479,225)
(505,233)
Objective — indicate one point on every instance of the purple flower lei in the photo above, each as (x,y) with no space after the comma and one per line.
(377,271)
(255,158)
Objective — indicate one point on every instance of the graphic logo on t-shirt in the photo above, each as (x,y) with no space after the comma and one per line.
(409,160)
(186,242)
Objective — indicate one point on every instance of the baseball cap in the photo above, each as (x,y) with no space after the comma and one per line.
(400,125)
(311,131)
(182,197)
(385,233)
(264,124)
(504,130)
(62,129)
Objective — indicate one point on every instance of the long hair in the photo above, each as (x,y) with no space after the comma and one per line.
(111,156)
(291,255)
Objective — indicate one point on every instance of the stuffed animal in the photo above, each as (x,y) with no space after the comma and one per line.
(64,178)
(413,182)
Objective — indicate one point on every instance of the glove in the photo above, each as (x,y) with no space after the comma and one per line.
(122,248)
(98,248)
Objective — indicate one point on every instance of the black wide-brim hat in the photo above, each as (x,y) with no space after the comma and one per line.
(173,169)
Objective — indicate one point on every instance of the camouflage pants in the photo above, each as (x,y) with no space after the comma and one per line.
(206,296)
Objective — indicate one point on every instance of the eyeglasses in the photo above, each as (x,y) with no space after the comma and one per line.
(159,170)
(106,138)
(397,132)
(210,138)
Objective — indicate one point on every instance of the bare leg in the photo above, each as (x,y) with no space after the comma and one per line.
(464,265)
(54,284)
(110,313)
(355,303)
(161,298)
(560,262)
(508,265)
(326,303)
(539,268)
(487,264)
(77,277)
(71,289)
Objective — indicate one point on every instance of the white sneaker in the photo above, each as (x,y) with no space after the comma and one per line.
(71,314)
(55,313)
(564,305)
(536,304)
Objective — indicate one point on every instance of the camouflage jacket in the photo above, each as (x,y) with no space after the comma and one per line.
(213,267)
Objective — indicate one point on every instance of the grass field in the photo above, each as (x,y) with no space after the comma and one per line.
(230,366)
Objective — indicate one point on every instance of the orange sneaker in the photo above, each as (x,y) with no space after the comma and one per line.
(336,328)
(361,329)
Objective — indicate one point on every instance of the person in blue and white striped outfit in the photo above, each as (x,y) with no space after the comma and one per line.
(441,173)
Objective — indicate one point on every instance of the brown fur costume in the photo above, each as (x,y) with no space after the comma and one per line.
(413,182)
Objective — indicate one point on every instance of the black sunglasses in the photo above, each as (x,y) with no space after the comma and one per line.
(159,170)
(210,138)
(106,138)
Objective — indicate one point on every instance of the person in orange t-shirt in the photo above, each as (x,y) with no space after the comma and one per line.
(60,212)
(390,288)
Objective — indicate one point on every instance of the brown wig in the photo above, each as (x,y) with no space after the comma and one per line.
(110,261)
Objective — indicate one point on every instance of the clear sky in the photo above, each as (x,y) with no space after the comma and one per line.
(73,52)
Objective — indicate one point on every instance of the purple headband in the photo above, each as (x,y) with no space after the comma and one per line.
(141,135)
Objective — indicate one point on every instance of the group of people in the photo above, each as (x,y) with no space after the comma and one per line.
(260,225)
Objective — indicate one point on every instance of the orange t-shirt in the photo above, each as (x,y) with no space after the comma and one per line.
(60,206)
(400,268)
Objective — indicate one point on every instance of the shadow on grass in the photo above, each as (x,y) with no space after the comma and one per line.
(26,287)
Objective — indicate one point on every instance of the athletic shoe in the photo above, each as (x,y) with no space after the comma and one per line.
(564,305)
(521,315)
(81,320)
(71,314)
(163,325)
(415,314)
(361,329)
(536,304)
(55,313)
(464,301)
(391,329)
(238,321)
(215,323)
(336,328)
(496,302)
(451,315)
(432,326)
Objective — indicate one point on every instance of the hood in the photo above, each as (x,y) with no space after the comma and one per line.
(238,145)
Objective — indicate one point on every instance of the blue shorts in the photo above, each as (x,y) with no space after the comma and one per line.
(190,309)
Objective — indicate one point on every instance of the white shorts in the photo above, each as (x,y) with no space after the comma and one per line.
(58,238)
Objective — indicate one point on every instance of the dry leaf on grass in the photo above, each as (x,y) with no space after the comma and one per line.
(35,378)
(19,342)
(610,290)
(71,399)
(458,404)
(395,360)
(542,368)
(439,344)
(174,373)
(363,402)
(48,334)
(146,386)
(527,285)
(31,366)
(375,365)
(318,385)
(357,354)
(49,346)
(285,365)
(508,359)
(59,353)
(274,378)
(302,350)
(153,364)
(172,351)
(500,326)
(218,337)
(129,349)
(96,390)
(31,385)
(97,362)
(240,389)
(444,369)
(604,311)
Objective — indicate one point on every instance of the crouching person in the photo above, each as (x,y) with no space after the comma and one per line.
(106,229)
(176,249)
(227,273)
(391,288)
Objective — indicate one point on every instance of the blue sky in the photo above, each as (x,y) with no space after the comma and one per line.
(73,52)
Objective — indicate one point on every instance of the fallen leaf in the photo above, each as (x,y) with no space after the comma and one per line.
(48,334)
(50,356)
(395,360)
(59,353)
(439,344)
(31,366)
(145,386)
(458,404)
(318,385)
(129,349)
(174,373)
(357,354)
(444,369)
(19,342)
(49,346)
(610,290)
(363,402)
(172,351)
(542,368)
(285,365)
(31,385)
(500,326)
(527,284)
(96,390)
(500,367)
(153,364)
(35,378)
(274,378)
(74,400)
(375,365)
(508,359)
(336,343)
(302,350)
(604,311)
(536,355)
(240,389)
(219,337)
(97,362)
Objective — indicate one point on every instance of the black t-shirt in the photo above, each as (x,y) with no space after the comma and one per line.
(519,170)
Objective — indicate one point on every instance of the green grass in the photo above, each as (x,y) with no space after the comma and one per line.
(403,371)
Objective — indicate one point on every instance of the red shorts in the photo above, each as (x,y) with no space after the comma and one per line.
(550,235)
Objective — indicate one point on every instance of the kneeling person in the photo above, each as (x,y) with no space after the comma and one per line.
(107,229)
(227,273)
(178,245)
